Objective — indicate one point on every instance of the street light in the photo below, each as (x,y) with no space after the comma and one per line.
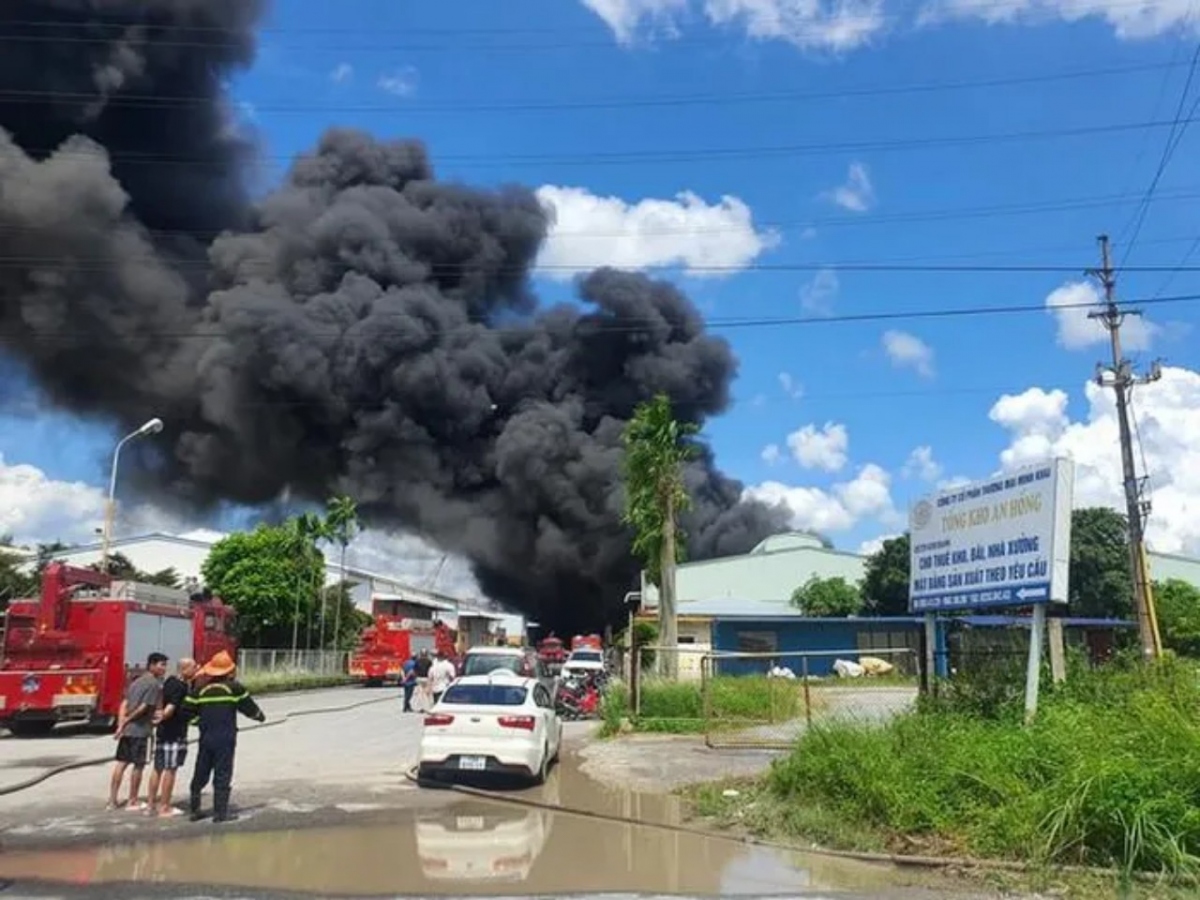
(154,426)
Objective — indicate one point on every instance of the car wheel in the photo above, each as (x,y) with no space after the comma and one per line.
(544,769)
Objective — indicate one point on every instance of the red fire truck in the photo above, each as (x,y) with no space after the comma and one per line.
(68,655)
(587,642)
(385,645)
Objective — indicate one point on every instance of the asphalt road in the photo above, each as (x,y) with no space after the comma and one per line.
(353,760)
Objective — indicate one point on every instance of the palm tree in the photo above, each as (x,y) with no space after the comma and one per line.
(656,448)
(306,530)
(341,519)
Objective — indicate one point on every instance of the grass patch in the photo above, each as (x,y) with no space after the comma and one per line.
(1109,775)
(283,682)
(679,707)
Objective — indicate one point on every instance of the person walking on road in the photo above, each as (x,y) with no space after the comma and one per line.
(441,674)
(423,665)
(216,706)
(135,724)
(409,681)
(170,739)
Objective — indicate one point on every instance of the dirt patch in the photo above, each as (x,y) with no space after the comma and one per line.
(663,763)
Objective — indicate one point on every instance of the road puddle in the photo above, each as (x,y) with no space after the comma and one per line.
(476,847)
(468,846)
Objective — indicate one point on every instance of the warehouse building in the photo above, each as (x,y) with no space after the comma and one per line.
(742,604)
(371,591)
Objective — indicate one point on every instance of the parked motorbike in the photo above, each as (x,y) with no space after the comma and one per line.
(578,698)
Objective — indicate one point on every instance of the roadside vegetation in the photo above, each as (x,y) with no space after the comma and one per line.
(678,707)
(283,682)
(1107,776)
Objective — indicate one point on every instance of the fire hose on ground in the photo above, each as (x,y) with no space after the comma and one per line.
(894,859)
(16,788)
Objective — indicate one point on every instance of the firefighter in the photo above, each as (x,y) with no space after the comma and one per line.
(215,706)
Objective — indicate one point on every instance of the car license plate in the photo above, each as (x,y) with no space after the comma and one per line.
(470,823)
(472,763)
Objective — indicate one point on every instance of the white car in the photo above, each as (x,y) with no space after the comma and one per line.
(499,724)
(584,662)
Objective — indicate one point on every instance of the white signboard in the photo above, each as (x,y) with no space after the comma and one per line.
(1001,542)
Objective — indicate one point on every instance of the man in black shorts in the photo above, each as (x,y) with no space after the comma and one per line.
(170,740)
(135,724)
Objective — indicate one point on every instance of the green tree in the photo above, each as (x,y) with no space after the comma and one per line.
(258,573)
(1178,607)
(884,586)
(1101,583)
(306,531)
(341,522)
(120,567)
(827,597)
(656,448)
(15,583)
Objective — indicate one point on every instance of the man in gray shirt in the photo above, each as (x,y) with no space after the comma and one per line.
(135,724)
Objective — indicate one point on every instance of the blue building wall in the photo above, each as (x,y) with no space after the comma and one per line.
(793,635)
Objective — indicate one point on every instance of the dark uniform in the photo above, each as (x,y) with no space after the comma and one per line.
(215,708)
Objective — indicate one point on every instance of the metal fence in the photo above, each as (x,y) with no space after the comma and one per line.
(292,662)
(767,700)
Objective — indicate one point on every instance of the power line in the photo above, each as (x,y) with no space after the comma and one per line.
(630,102)
(630,325)
(640,157)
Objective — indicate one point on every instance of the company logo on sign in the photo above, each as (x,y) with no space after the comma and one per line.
(30,685)
(921,515)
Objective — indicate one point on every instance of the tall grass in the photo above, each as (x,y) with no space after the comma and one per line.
(1109,774)
(679,707)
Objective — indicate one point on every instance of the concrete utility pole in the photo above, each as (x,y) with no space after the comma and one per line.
(1121,378)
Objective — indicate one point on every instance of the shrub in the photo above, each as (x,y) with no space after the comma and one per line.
(1109,774)
(678,707)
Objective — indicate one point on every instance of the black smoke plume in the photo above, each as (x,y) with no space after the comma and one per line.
(364,328)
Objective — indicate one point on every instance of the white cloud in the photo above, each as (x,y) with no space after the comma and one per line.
(35,508)
(874,545)
(589,230)
(826,449)
(866,496)
(791,386)
(856,194)
(1131,21)
(1168,416)
(816,297)
(627,17)
(772,454)
(401,83)
(341,73)
(1077,332)
(808,24)
(909,351)
(922,465)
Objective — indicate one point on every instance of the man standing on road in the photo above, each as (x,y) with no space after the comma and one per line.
(216,706)
(423,665)
(441,673)
(135,723)
(409,681)
(170,740)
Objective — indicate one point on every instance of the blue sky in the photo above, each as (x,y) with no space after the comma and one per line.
(865,134)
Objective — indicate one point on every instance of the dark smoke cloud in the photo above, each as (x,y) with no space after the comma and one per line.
(365,328)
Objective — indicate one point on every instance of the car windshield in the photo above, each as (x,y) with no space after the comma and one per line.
(486,694)
(482,663)
(588,656)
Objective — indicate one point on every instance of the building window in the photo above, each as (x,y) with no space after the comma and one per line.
(687,639)
(757,642)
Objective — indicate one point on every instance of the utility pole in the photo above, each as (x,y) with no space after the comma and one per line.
(1121,378)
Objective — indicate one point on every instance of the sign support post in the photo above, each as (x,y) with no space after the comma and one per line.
(1033,673)
(930,673)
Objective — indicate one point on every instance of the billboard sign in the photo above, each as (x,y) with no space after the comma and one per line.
(1001,542)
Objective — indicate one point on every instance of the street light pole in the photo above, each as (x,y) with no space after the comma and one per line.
(154,426)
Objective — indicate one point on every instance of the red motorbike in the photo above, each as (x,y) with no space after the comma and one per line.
(578,698)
